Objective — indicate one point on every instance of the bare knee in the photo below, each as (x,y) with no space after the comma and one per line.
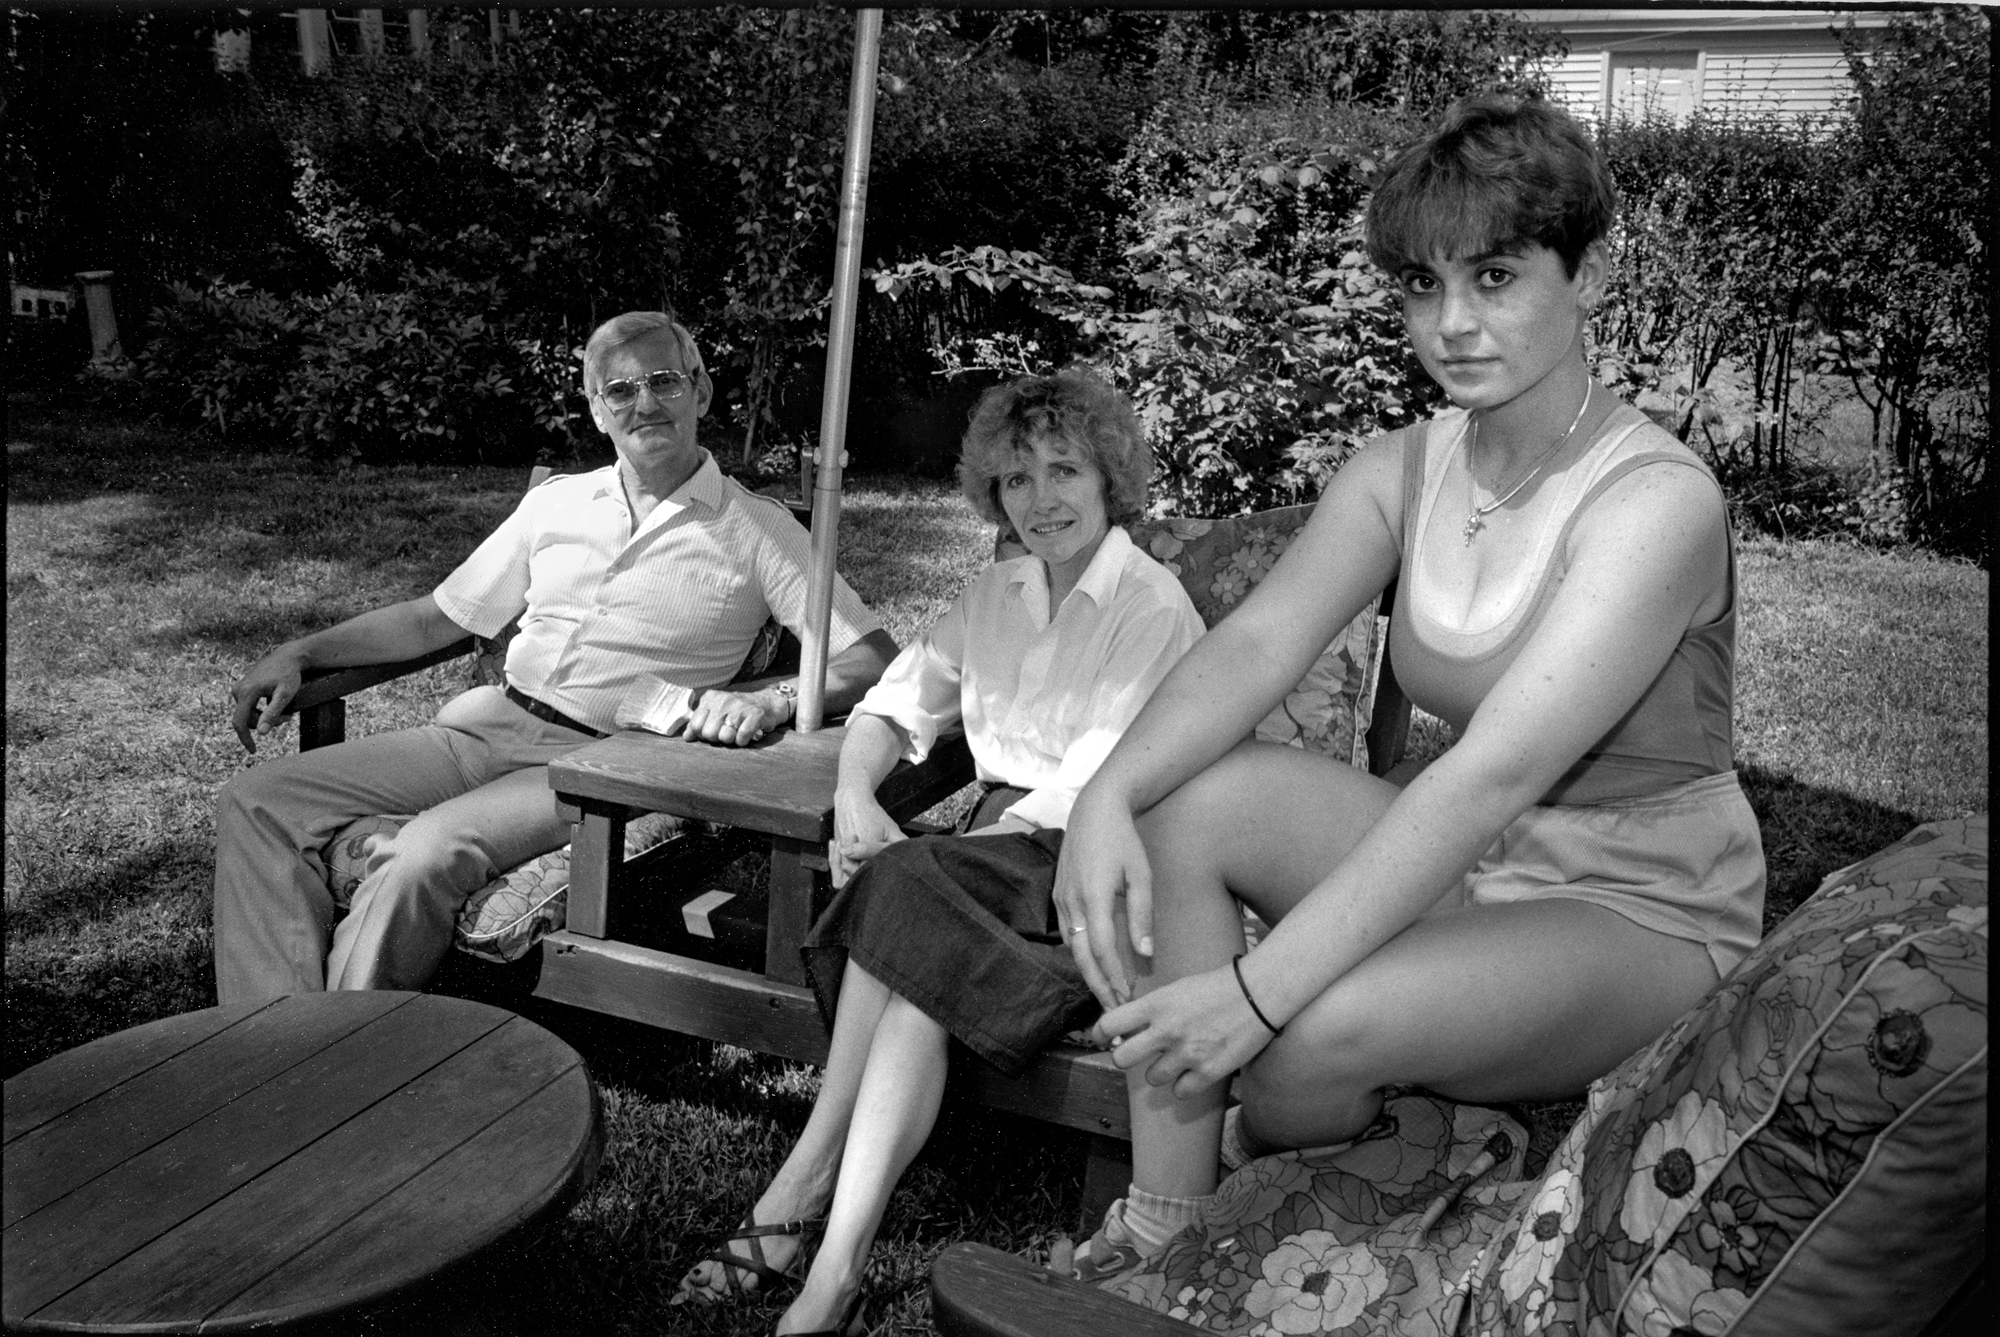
(1184,832)
(1309,1091)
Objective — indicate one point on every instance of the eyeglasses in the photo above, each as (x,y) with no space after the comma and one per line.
(622,394)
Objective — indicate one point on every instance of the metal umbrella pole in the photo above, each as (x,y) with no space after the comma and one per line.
(831,456)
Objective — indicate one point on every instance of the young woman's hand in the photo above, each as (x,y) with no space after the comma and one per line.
(1103,860)
(862,829)
(1189,1034)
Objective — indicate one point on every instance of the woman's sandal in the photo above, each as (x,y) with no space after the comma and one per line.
(756,1265)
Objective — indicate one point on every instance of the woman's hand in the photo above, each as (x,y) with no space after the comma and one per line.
(862,829)
(1102,860)
(1189,1034)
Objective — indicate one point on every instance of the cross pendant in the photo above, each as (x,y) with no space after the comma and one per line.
(1473,524)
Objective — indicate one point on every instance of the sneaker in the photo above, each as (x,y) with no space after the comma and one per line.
(1109,1252)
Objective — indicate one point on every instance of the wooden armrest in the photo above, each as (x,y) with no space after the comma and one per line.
(323,685)
(978,1291)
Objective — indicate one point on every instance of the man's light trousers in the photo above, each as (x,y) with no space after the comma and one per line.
(477,779)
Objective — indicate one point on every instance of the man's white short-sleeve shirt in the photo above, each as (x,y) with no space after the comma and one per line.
(602,607)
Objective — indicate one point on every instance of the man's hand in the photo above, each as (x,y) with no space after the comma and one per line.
(862,829)
(262,693)
(386,635)
(736,719)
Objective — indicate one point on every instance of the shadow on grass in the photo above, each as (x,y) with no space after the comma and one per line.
(1810,831)
(163,869)
(51,1007)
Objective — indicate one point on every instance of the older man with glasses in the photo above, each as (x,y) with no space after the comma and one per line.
(634,584)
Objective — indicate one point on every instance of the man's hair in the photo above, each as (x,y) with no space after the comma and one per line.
(1072,406)
(630,328)
(1497,172)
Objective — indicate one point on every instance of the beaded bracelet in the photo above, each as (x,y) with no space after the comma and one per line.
(1236,964)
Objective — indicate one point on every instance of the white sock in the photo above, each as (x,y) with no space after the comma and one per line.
(1150,1220)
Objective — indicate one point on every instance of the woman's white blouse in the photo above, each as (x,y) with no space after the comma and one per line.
(1042,700)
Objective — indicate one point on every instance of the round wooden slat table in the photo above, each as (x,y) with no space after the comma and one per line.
(259,1165)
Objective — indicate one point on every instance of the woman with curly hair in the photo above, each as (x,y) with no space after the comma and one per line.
(1043,661)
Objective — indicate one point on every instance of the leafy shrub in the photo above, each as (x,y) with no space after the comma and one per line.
(219,354)
(1759,259)
(1255,340)
(362,375)
(1711,303)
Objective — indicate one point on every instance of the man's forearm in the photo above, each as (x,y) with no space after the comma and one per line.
(854,670)
(380,636)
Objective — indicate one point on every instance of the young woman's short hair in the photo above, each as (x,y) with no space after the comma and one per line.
(1497,172)
(1073,406)
(630,328)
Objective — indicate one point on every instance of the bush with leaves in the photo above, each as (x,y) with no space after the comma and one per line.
(1254,338)
(356,375)
(1238,311)
(1908,293)
(1759,261)
(1715,260)
(218,355)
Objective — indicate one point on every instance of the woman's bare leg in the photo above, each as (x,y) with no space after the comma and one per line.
(1268,823)
(1487,1003)
(1479,1003)
(893,1114)
(805,1182)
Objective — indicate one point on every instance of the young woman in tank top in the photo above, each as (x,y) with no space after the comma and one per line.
(1576,871)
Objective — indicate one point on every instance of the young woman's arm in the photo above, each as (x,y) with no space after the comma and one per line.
(1216,695)
(1648,560)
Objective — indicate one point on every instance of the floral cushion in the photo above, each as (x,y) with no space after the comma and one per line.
(1802,1152)
(1805,1151)
(510,914)
(1326,1241)
(1217,562)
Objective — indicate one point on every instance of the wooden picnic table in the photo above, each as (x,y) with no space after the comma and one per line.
(781,791)
(259,1165)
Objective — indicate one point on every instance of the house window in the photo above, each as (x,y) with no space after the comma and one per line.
(1655,84)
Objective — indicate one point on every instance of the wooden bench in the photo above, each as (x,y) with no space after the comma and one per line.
(778,795)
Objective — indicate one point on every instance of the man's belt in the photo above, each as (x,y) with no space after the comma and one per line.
(549,713)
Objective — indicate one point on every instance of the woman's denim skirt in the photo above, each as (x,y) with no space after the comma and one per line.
(965,928)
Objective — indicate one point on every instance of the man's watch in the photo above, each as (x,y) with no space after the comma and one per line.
(791,695)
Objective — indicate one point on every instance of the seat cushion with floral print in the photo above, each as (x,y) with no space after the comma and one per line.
(1802,1152)
(1217,561)
(509,915)
(1327,1240)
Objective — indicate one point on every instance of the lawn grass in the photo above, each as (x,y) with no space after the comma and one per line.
(145,571)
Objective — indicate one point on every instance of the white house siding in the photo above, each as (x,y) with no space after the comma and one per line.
(1785,62)
(1796,85)
(1578,82)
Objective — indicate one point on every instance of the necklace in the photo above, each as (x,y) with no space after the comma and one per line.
(1475,519)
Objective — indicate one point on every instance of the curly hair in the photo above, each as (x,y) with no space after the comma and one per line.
(630,328)
(1072,406)
(1497,172)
